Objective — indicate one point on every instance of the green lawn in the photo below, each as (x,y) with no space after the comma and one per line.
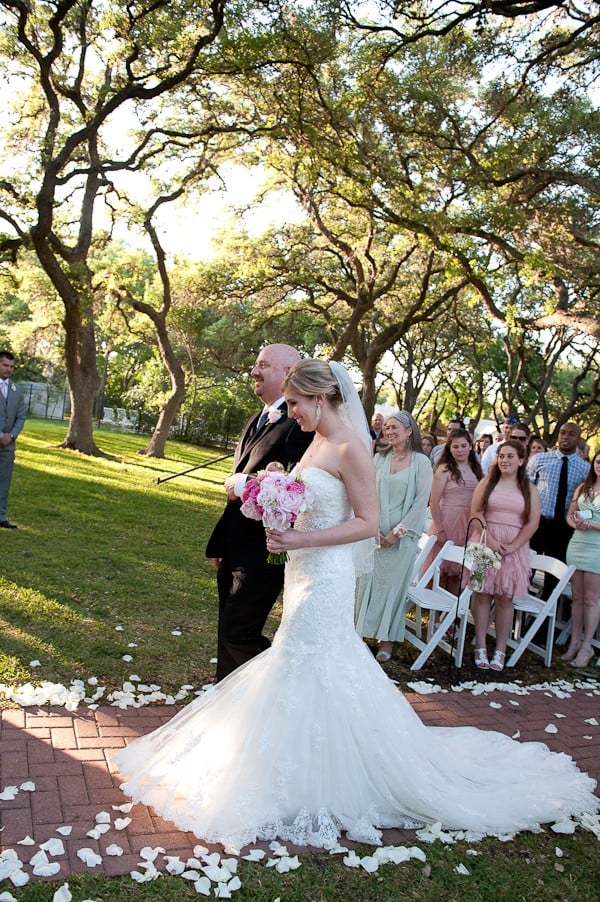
(101,544)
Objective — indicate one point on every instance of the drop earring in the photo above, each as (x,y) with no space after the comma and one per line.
(318,411)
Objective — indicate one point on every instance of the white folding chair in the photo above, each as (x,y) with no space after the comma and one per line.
(438,600)
(540,610)
(424,545)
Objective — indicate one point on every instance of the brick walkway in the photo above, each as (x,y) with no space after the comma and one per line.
(67,756)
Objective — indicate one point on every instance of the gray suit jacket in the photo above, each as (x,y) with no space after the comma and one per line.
(13,411)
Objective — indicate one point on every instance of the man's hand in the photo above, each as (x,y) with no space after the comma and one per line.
(5,439)
(230,486)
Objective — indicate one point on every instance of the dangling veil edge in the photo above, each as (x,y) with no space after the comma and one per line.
(353,415)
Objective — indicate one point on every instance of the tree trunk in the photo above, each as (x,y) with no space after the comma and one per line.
(156,446)
(84,381)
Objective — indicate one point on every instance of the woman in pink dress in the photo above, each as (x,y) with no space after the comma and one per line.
(509,507)
(454,480)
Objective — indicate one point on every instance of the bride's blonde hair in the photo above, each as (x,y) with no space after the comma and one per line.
(314,377)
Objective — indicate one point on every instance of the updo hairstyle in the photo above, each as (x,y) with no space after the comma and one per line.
(313,377)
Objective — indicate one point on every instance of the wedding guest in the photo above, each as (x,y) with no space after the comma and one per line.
(403,484)
(517,431)
(428,443)
(13,411)
(583,552)
(504,433)
(377,433)
(439,449)
(583,450)
(482,444)
(248,586)
(509,507)
(556,474)
(454,480)
(535,445)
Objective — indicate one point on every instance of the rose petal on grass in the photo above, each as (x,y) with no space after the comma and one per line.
(174,864)
(203,886)
(7,897)
(565,826)
(255,855)
(461,869)
(126,658)
(35,663)
(62,894)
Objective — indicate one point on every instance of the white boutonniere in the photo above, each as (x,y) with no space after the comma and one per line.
(13,388)
(274,414)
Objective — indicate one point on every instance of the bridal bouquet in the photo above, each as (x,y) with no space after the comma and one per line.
(276,498)
(479,558)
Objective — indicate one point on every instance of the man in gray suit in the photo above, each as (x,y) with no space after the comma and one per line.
(13,411)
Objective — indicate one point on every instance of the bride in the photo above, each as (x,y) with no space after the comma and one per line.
(311,738)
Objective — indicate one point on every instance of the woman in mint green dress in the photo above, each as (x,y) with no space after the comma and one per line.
(584,553)
(403,485)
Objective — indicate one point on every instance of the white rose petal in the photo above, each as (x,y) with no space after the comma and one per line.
(9,793)
(215,873)
(495,705)
(255,855)
(369,863)
(126,808)
(35,663)
(29,786)
(64,831)
(516,735)
(174,864)
(62,894)
(54,846)
(203,886)
(103,817)
(559,715)
(234,884)
(121,822)
(222,892)
(176,633)
(461,869)
(46,870)
(27,841)
(7,897)
(39,858)
(351,860)
(9,866)
(127,658)
(119,629)
(150,853)
(19,878)
(551,728)
(231,864)
(417,853)
(114,849)
(592,721)
(211,859)
(558,852)
(565,826)
(89,857)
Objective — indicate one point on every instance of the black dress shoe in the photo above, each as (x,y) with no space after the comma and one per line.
(6,525)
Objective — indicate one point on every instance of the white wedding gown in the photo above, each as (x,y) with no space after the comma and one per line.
(311,738)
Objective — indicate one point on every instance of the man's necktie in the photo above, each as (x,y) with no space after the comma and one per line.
(4,388)
(262,420)
(561,495)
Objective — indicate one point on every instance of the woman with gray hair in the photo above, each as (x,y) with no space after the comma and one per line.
(403,484)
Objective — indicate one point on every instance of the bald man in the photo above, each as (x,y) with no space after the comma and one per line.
(248,586)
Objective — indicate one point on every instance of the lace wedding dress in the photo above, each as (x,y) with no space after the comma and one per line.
(311,738)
